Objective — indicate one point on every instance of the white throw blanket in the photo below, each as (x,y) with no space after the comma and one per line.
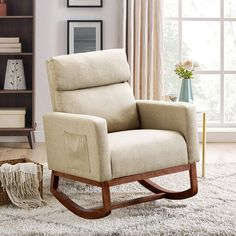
(21,182)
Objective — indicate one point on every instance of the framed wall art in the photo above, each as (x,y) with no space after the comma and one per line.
(84,36)
(84,3)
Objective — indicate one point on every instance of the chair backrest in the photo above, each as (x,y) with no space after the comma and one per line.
(94,83)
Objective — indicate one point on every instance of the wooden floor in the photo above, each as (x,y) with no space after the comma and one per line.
(22,150)
(215,152)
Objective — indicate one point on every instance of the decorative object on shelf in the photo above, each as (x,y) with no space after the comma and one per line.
(9,39)
(185,72)
(15,76)
(10,45)
(84,36)
(170,98)
(3,8)
(12,118)
(84,3)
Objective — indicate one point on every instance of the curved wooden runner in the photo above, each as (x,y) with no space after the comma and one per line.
(143,179)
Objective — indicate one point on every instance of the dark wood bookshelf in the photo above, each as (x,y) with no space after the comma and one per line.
(16,91)
(16,54)
(19,22)
(16,17)
(15,129)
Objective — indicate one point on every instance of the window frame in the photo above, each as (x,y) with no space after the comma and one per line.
(180,19)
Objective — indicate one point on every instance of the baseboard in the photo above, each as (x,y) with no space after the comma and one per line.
(213,136)
(39,136)
(219,135)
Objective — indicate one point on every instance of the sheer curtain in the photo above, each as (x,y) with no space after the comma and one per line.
(142,38)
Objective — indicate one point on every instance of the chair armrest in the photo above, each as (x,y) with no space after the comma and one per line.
(78,145)
(180,117)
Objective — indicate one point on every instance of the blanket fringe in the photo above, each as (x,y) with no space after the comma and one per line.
(21,182)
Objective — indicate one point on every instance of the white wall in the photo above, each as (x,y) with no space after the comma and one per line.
(51,40)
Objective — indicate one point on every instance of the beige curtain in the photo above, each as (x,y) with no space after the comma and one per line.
(142,38)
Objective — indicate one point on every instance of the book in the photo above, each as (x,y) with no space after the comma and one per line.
(10,50)
(9,39)
(10,45)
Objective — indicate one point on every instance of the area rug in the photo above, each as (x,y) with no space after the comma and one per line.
(211,212)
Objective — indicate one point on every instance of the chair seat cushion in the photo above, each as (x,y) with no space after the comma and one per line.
(140,151)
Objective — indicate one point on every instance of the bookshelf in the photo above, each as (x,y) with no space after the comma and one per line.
(19,22)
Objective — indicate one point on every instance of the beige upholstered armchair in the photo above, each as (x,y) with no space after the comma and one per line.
(99,135)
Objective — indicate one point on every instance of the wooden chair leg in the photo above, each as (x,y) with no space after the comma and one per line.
(153,187)
(31,139)
(93,213)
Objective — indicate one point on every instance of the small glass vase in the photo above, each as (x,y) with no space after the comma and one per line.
(186,92)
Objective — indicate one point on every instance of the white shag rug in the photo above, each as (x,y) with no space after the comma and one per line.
(211,212)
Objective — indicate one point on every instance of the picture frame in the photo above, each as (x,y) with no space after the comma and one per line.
(84,3)
(84,36)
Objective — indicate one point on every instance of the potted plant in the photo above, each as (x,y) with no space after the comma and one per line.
(185,71)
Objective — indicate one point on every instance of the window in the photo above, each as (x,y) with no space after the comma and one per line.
(204,31)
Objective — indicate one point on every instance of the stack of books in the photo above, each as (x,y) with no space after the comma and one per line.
(10,45)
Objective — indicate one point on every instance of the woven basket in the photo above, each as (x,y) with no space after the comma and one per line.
(4,199)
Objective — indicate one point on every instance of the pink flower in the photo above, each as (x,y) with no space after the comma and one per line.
(188,65)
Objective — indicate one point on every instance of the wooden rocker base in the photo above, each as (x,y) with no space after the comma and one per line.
(143,179)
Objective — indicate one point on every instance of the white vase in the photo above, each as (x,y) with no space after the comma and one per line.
(15,76)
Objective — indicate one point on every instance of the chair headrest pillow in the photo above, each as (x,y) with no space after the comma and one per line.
(87,70)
